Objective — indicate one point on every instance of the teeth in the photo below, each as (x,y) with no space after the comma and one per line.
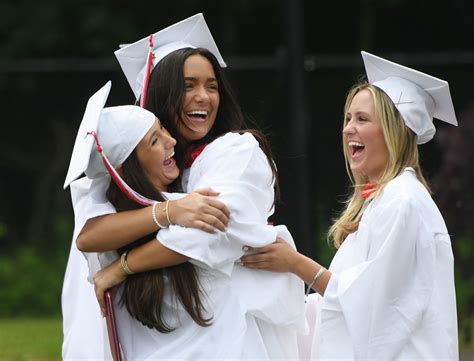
(198,112)
(355,144)
(170,156)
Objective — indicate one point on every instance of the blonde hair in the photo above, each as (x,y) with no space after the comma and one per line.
(402,153)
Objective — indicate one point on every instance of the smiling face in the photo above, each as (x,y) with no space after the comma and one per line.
(155,154)
(364,139)
(201,99)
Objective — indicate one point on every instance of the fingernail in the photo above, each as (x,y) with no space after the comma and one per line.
(245,248)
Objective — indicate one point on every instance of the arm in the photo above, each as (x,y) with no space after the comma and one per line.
(115,230)
(235,166)
(281,257)
(149,256)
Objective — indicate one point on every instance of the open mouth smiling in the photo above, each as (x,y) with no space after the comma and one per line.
(197,115)
(169,159)
(356,148)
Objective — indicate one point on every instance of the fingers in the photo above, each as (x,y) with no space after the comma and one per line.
(214,203)
(264,265)
(212,216)
(100,295)
(221,207)
(253,259)
(207,192)
(215,219)
(203,226)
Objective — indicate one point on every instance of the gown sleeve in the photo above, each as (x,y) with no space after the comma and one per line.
(235,166)
(383,298)
(89,201)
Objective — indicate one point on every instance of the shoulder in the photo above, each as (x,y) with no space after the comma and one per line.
(234,139)
(406,195)
(232,143)
(405,188)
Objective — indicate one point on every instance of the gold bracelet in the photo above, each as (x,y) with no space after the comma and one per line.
(166,211)
(124,264)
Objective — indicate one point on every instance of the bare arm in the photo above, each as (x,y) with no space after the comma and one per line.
(149,256)
(115,230)
(109,232)
(281,257)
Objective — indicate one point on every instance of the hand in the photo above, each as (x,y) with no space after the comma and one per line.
(105,279)
(200,210)
(278,257)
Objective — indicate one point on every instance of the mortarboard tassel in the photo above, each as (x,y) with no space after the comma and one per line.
(149,64)
(124,187)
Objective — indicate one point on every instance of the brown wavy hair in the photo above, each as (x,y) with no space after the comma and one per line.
(165,99)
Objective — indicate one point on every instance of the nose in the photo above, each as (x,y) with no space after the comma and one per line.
(348,128)
(170,142)
(201,94)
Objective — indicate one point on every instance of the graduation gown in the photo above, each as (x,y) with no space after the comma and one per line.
(256,314)
(391,294)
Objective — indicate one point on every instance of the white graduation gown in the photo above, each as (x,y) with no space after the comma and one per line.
(391,294)
(256,314)
(84,330)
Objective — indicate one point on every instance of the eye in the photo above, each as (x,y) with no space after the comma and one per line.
(213,86)
(154,141)
(188,86)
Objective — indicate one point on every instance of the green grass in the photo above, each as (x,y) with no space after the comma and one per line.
(40,339)
(30,339)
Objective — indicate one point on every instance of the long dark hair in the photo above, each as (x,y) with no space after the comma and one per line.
(165,99)
(143,292)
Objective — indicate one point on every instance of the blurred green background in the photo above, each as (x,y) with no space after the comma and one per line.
(291,63)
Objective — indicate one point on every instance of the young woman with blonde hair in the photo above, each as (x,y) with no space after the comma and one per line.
(389,291)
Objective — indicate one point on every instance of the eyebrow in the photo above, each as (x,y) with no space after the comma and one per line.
(151,136)
(192,78)
(358,113)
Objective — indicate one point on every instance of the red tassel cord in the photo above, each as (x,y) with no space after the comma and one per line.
(149,65)
(124,187)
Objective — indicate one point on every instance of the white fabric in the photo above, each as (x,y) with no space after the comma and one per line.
(414,104)
(418,97)
(192,32)
(255,313)
(120,130)
(391,294)
(84,330)
(158,55)
(84,143)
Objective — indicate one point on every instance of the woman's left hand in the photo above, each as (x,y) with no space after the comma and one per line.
(277,257)
(105,279)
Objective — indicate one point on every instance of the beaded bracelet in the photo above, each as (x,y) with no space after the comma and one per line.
(155,219)
(316,277)
(124,264)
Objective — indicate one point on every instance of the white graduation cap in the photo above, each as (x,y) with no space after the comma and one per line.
(418,97)
(192,32)
(118,129)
